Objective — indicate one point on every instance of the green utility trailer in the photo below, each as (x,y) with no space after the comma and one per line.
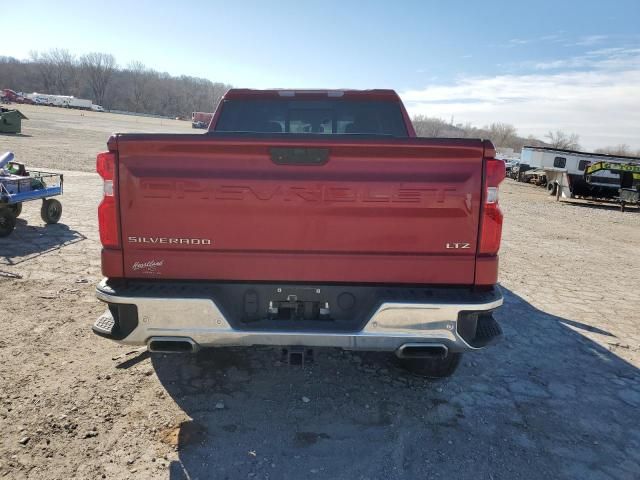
(11,120)
(629,180)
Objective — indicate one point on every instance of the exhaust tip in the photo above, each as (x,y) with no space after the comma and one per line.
(422,350)
(172,345)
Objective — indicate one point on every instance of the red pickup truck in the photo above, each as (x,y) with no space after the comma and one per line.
(200,119)
(302,219)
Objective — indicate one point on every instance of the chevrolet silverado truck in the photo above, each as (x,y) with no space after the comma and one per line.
(302,219)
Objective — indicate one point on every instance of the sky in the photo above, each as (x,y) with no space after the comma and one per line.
(539,65)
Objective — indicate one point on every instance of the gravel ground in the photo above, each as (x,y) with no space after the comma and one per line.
(69,139)
(558,398)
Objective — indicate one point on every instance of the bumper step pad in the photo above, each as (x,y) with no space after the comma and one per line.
(104,325)
(488,332)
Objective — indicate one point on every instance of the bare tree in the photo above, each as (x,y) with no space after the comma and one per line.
(502,134)
(46,70)
(64,66)
(98,69)
(469,131)
(429,127)
(562,140)
(140,80)
(623,149)
(216,93)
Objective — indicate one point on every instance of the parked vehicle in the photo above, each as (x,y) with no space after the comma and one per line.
(509,164)
(553,168)
(80,104)
(60,100)
(518,172)
(200,119)
(41,100)
(66,101)
(302,219)
(97,108)
(629,191)
(10,96)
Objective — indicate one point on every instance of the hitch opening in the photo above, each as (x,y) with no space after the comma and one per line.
(298,355)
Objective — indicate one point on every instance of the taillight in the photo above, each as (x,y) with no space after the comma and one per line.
(108,208)
(491,223)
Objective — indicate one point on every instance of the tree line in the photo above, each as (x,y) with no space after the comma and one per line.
(97,76)
(505,136)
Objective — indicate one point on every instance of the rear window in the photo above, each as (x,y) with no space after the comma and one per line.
(312,117)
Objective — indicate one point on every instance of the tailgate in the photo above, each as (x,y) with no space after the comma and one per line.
(220,208)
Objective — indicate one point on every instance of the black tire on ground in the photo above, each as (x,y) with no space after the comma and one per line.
(432,367)
(552,188)
(51,210)
(7,222)
(16,208)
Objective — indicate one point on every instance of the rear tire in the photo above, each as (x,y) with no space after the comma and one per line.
(16,208)
(7,222)
(51,211)
(432,367)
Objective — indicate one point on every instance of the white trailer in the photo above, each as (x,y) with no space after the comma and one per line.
(80,103)
(40,98)
(61,100)
(565,168)
(67,101)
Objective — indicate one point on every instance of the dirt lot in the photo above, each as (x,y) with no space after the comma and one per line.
(69,139)
(558,398)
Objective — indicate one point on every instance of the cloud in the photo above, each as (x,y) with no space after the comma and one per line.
(520,41)
(590,40)
(596,95)
(620,58)
(514,42)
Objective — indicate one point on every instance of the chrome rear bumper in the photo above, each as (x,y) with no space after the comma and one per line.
(392,325)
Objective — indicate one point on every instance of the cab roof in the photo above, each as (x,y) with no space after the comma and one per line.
(374,94)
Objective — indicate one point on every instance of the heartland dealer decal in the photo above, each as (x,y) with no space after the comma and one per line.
(170,240)
(151,266)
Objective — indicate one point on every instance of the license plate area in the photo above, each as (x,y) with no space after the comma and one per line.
(299,304)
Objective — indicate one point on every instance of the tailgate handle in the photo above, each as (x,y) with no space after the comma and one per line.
(299,156)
